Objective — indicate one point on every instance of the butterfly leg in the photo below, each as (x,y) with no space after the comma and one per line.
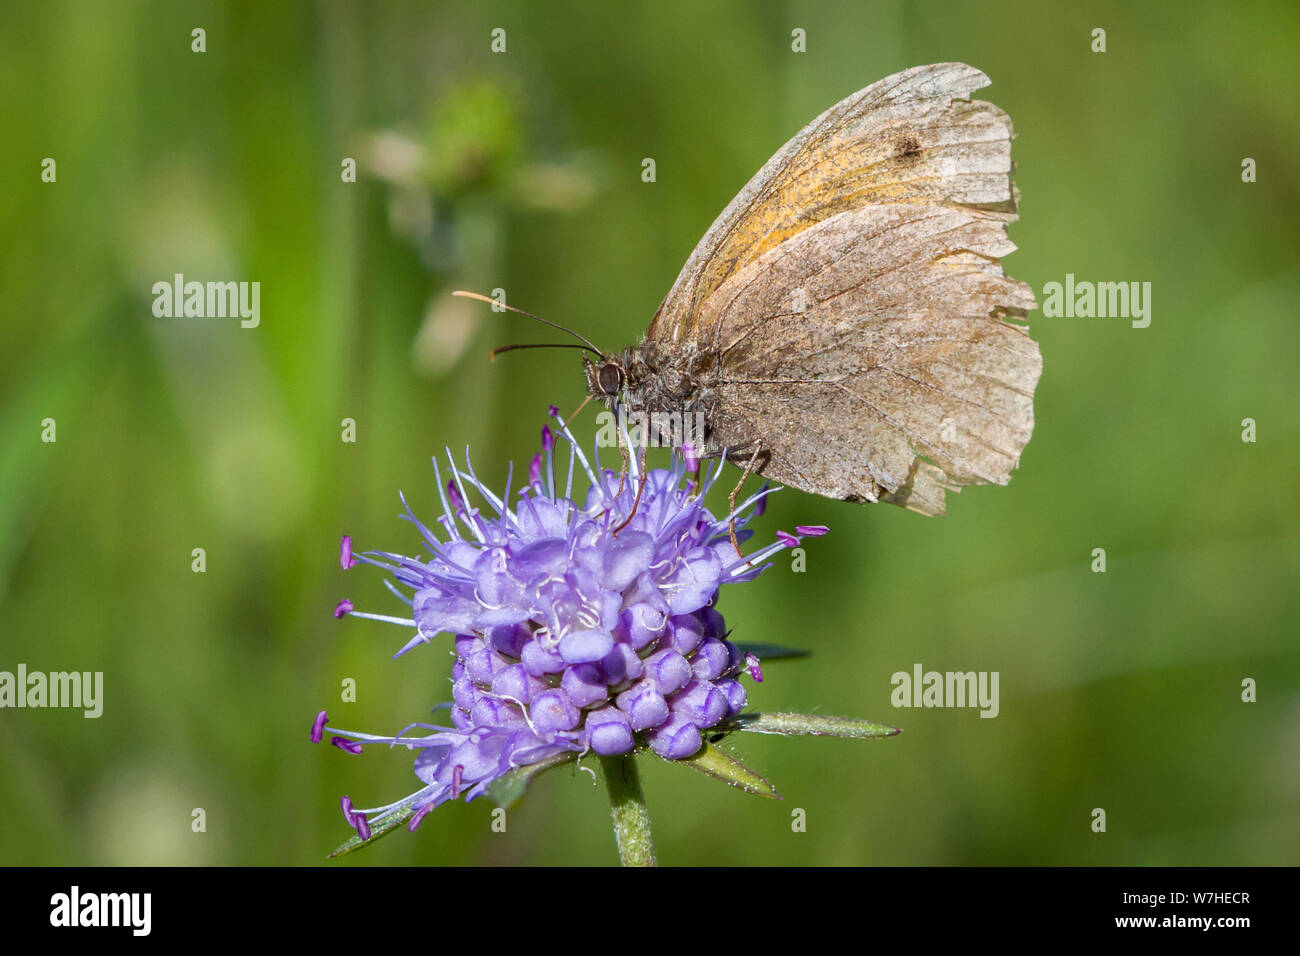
(640,487)
(622,475)
(735,493)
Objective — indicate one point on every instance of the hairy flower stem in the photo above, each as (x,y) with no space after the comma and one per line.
(636,845)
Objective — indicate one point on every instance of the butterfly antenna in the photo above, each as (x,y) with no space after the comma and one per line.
(538,345)
(587,343)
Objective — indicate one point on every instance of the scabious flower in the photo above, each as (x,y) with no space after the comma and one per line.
(577,626)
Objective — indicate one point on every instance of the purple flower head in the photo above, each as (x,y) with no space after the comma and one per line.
(576,629)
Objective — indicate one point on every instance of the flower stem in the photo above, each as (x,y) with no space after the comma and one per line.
(636,845)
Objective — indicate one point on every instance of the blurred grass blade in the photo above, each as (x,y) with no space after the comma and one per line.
(58,388)
(811,725)
(720,765)
(506,790)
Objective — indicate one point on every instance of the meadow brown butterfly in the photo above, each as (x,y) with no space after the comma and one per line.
(845,327)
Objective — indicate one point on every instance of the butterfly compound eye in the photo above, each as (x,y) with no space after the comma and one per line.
(610,378)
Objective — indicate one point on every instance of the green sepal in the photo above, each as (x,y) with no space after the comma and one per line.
(354,843)
(506,789)
(717,763)
(808,725)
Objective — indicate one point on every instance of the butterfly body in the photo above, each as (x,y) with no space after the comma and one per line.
(843,325)
(679,383)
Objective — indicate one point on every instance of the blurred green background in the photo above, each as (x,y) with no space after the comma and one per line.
(522,170)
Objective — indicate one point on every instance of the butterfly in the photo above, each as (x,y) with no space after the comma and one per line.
(845,327)
(845,323)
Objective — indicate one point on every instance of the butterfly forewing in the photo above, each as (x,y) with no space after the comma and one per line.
(911,137)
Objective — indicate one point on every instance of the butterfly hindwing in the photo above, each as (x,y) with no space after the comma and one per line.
(872,355)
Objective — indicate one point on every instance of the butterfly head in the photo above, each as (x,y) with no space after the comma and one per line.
(606,378)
